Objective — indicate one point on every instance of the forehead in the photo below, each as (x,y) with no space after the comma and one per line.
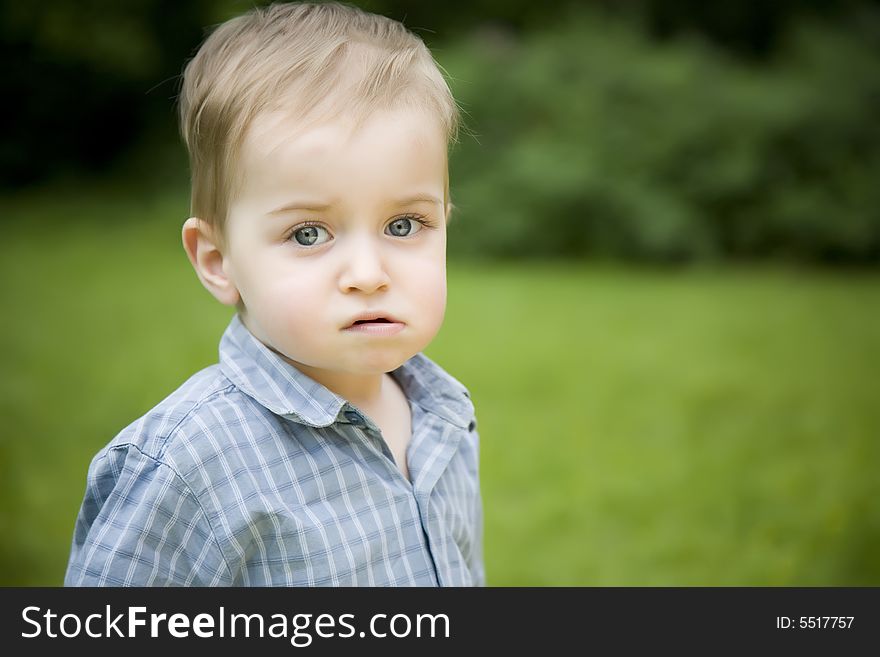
(388,150)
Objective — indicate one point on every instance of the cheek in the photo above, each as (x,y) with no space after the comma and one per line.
(280,300)
(295,299)
(429,287)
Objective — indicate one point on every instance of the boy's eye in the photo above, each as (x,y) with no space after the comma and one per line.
(310,235)
(404,226)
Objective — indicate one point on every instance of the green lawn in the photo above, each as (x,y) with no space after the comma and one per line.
(638,427)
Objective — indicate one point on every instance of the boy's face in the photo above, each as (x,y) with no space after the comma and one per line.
(329,224)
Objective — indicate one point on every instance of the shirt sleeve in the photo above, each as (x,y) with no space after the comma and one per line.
(141,525)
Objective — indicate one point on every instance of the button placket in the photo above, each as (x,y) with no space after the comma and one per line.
(376,440)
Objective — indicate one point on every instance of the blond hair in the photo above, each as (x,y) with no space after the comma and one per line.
(315,61)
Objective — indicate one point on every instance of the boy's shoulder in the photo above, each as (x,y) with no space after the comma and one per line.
(180,412)
(200,425)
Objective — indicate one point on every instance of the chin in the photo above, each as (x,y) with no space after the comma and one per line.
(379,363)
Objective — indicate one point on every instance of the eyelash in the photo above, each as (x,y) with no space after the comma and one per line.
(415,217)
(426,223)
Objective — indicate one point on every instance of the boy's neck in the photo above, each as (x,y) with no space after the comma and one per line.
(366,391)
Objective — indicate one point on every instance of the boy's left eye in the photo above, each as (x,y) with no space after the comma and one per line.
(404,226)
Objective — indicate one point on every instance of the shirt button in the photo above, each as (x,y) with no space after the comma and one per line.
(354,417)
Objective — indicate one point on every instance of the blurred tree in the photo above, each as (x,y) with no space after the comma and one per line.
(592,140)
(757,162)
(86,78)
(749,27)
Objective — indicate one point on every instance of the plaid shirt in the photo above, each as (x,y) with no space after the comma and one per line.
(253,474)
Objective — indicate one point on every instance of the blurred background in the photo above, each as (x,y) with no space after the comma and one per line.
(664,276)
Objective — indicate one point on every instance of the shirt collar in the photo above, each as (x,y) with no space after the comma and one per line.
(283,389)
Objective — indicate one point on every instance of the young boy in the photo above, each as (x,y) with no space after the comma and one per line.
(324,448)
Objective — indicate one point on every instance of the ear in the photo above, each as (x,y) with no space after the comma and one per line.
(203,250)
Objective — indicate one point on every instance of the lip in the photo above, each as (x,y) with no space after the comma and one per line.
(390,326)
(376,328)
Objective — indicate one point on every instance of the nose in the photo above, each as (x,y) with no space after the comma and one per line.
(364,267)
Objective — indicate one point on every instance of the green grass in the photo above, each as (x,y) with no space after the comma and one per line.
(638,427)
(692,428)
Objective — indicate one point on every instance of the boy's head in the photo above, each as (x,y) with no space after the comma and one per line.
(310,62)
(318,142)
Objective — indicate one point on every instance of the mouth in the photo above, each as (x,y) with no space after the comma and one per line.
(374,323)
(378,320)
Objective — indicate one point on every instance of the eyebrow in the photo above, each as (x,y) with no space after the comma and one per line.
(318,206)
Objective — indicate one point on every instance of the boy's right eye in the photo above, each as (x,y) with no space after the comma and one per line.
(310,235)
